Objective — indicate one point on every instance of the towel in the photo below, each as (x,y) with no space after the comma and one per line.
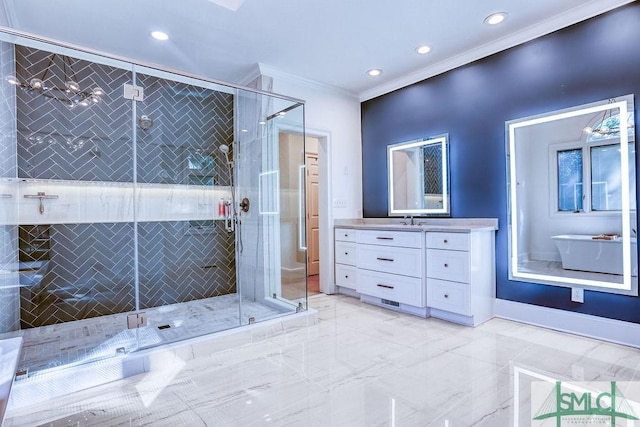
(606,236)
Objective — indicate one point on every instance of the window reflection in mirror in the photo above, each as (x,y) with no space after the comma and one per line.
(572,197)
(419,177)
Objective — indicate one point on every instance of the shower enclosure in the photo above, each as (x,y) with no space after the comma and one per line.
(139,206)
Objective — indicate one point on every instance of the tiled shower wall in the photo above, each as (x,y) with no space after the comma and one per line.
(90,266)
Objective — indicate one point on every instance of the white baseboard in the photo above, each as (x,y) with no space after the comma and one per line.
(601,328)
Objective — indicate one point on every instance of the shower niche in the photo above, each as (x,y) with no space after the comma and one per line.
(135,224)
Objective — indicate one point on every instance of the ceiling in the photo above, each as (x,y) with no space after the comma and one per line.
(327,42)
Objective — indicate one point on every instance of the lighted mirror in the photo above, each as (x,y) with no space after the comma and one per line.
(419,177)
(572,197)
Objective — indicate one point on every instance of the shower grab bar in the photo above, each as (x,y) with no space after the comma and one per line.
(41,196)
(302,236)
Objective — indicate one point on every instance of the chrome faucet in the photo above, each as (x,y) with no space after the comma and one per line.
(410,220)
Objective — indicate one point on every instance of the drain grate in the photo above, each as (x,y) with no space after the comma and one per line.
(22,374)
(164,327)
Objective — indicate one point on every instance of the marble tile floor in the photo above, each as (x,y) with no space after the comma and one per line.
(70,343)
(360,365)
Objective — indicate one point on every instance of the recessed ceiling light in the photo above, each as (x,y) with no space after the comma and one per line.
(423,49)
(159,35)
(374,72)
(495,18)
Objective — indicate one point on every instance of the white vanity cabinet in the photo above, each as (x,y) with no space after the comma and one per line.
(439,271)
(461,276)
(345,254)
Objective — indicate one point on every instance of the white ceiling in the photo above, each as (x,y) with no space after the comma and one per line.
(331,42)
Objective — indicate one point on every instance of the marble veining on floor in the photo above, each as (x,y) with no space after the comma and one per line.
(359,365)
(88,340)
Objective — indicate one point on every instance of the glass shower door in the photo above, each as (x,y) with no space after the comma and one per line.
(186,236)
(270,189)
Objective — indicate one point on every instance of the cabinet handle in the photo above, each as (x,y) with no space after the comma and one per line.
(385,286)
(446,265)
(346,253)
(346,235)
(446,295)
(385,259)
(384,238)
(346,276)
(446,241)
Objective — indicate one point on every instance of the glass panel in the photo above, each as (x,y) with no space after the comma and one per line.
(570,180)
(73,253)
(293,248)
(271,272)
(9,278)
(186,236)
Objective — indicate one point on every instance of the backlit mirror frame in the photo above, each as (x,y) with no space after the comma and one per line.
(517,223)
(444,209)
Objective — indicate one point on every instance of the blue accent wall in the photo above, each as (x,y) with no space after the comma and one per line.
(590,61)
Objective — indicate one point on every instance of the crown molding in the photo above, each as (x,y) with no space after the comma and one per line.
(270,71)
(588,10)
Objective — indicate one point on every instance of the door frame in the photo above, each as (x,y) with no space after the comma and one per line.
(325,224)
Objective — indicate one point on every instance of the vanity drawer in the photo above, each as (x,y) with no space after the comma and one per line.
(346,276)
(405,239)
(453,241)
(406,290)
(344,234)
(404,261)
(346,253)
(448,265)
(449,296)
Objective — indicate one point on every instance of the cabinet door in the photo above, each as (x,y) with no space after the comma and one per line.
(404,261)
(346,276)
(346,253)
(402,289)
(449,296)
(448,265)
(451,241)
(403,239)
(344,234)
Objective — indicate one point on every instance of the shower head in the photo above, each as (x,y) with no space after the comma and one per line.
(145,122)
(224,149)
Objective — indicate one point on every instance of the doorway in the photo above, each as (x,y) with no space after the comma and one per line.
(313,215)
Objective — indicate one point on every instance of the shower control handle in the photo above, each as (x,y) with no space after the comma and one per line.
(244,205)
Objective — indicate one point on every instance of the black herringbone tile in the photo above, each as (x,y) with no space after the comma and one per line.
(90,266)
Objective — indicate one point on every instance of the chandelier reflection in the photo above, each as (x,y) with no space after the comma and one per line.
(70,94)
(70,142)
(609,125)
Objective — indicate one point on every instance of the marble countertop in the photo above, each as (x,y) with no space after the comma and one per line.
(455,225)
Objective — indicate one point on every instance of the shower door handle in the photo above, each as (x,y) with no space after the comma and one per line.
(302,235)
